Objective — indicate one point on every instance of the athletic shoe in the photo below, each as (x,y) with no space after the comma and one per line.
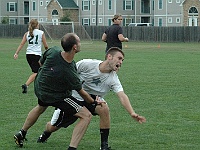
(43,137)
(24,88)
(104,146)
(19,138)
(108,148)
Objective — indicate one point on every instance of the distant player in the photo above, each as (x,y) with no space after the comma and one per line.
(113,35)
(35,38)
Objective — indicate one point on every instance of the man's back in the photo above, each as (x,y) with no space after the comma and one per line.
(56,78)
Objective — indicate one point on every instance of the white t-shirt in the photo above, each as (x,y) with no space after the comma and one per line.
(34,43)
(94,81)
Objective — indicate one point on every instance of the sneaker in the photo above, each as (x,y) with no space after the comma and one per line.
(43,137)
(108,148)
(104,146)
(19,138)
(24,88)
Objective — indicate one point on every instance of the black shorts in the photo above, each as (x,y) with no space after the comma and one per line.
(61,119)
(69,107)
(33,61)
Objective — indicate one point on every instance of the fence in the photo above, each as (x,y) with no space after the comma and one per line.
(143,34)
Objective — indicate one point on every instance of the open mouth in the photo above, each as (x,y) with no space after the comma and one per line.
(117,65)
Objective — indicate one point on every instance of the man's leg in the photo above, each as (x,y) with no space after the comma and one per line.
(47,133)
(30,120)
(85,116)
(103,112)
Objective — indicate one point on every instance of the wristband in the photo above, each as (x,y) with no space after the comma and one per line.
(94,103)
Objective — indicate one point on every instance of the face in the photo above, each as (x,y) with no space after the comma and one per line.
(118,20)
(78,46)
(115,61)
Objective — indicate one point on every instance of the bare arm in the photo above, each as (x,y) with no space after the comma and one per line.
(88,98)
(122,38)
(44,41)
(127,105)
(20,46)
(104,37)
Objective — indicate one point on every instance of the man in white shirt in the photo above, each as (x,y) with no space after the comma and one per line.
(98,78)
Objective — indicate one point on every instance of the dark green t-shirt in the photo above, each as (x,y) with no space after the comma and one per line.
(56,78)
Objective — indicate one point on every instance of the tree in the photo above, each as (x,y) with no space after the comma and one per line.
(5,20)
(66,17)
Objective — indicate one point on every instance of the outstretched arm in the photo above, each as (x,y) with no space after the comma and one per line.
(122,38)
(127,105)
(20,46)
(88,98)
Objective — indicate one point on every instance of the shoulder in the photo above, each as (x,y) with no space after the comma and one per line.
(39,31)
(88,64)
(89,61)
(53,50)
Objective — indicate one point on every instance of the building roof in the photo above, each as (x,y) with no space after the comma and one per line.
(67,4)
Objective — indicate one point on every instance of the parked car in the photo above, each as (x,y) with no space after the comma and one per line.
(140,24)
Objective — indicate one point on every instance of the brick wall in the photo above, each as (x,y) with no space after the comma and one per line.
(186,7)
(73,13)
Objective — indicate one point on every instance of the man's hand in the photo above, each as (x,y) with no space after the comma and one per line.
(138,118)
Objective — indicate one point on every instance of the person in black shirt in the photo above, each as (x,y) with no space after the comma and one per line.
(113,35)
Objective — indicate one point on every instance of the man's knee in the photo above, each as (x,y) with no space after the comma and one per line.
(51,128)
(102,109)
(40,109)
(84,114)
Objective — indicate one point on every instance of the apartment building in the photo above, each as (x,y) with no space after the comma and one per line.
(100,12)
(21,11)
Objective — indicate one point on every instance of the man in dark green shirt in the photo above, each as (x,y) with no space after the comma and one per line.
(55,80)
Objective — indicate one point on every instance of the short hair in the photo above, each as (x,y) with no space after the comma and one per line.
(68,41)
(116,16)
(113,50)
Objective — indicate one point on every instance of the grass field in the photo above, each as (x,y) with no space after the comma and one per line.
(162,82)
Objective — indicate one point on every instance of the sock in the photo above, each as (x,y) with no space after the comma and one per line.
(104,135)
(71,148)
(47,134)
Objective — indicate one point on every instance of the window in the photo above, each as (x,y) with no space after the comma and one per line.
(160,4)
(47,2)
(109,22)
(41,3)
(159,21)
(12,21)
(100,20)
(128,5)
(100,2)
(127,21)
(169,1)
(34,6)
(178,20)
(109,4)
(177,1)
(11,6)
(86,21)
(170,20)
(93,20)
(85,5)
(41,19)
(93,2)
(26,8)
(54,12)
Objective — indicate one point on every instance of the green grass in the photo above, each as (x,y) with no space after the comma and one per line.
(162,84)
